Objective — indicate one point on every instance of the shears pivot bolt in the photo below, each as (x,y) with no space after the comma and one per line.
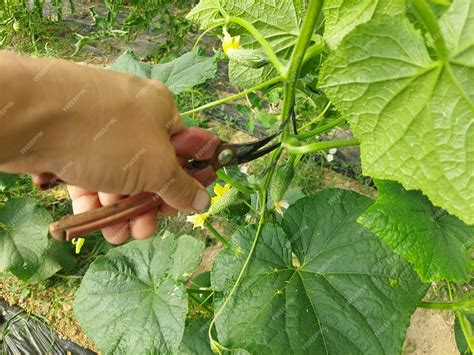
(225,156)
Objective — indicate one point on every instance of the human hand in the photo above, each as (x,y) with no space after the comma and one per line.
(102,131)
(192,143)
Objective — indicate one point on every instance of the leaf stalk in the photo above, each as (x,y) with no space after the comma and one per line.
(315,147)
(233,97)
(431,22)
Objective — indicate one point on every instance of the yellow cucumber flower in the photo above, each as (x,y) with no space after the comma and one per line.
(197,220)
(229,42)
(78,242)
(219,190)
(279,205)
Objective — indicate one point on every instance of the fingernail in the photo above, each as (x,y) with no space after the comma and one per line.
(201,200)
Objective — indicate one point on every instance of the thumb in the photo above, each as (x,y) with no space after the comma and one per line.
(184,192)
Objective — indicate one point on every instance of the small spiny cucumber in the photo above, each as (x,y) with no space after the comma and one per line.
(230,198)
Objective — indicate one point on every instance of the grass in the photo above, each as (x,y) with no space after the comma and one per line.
(31,32)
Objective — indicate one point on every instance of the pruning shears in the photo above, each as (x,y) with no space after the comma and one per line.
(226,154)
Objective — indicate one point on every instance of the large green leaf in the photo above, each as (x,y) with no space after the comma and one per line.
(23,237)
(434,241)
(180,74)
(348,293)
(132,300)
(277,20)
(58,255)
(342,16)
(413,115)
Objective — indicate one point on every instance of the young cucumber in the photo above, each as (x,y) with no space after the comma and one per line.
(281,181)
(283,176)
(252,58)
(231,197)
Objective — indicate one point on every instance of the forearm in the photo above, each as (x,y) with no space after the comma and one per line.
(30,108)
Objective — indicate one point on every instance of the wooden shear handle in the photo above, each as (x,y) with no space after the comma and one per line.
(77,225)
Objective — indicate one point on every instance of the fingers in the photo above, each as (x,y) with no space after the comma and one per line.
(166,210)
(184,192)
(196,143)
(44,181)
(83,200)
(175,125)
(120,232)
(144,226)
(140,227)
(205,176)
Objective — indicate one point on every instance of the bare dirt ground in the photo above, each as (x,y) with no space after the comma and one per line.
(431,332)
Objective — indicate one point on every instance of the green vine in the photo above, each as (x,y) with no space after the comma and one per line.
(321,129)
(449,306)
(315,147)
(298,54)
(260,86)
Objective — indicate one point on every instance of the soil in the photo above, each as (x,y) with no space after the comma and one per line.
(52,303)
(431,332)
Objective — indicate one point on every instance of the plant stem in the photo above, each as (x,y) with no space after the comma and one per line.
(234,97)
(318,117)
(263,42)
(298,54)
(448,306)
(314,147)
(229,180)
(431,22)
(216,234)
(449,291)
(322,129)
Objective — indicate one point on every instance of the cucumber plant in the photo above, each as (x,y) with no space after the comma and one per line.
(337,272)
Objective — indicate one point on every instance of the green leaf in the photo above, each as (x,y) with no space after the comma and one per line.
(7,180)
(23,237)
(347,293)
(133,298)
(277,20)
(129,63)
(180,74)
(185,72)
(413,116)
(195,339)
(245,77)
(205,13)
(59,255)
(342,16)
(461,341)
(435,242)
